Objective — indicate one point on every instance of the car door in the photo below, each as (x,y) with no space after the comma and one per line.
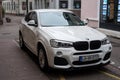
(33,32)
(30,32)
(25,30)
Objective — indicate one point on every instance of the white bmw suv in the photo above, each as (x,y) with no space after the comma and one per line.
(61,40)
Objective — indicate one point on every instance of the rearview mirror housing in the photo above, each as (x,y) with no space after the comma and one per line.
(32,23)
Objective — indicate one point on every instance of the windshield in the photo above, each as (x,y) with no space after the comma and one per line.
(59,19)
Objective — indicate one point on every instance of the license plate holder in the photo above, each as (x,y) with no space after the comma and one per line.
(88,58)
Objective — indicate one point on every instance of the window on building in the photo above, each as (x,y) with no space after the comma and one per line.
(13,5)
(30,7)
(63,4)
(5,6)
(47,4)
(118,14)
(9,5)
(23,5)
(104,10)
(77,4)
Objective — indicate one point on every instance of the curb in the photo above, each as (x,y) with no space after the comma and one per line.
(111,33)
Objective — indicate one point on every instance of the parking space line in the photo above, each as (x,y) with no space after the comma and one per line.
(62,77)
(16,43)
(109,74)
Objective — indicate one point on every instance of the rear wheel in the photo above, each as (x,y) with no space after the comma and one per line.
(42,59)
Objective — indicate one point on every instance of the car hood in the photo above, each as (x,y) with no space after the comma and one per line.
(73,33)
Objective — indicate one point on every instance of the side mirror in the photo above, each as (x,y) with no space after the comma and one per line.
(32,23)
(86,21)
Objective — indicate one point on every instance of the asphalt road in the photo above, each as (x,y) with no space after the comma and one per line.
(16,64)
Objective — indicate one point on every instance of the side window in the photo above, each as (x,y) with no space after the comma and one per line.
(28,17)
(34,17)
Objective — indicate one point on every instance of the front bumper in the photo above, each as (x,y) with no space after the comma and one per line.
(64,58)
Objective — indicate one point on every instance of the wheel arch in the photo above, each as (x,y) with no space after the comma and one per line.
(20,32)
(41,45)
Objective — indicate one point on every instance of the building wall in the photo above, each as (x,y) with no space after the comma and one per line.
(70,6)
(57,4)
(52,4)
(19,6)
(5,5)
(16,6)
(90,10)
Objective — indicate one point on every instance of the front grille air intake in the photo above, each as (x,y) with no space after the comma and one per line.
(95,44)
(82,45)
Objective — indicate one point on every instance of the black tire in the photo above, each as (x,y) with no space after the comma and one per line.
(42,58)
(21,42)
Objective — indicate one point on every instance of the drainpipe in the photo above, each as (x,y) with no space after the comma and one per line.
(1,20)
(26,6)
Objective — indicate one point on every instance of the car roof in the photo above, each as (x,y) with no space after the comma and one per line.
(52,10)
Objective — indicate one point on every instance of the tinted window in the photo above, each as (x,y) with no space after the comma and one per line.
(31,16)
(34,17)
(28,17)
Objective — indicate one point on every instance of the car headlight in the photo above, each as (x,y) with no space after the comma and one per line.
(105,41)
(59,43)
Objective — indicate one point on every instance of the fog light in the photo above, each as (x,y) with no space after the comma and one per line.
(60,61)
(107,56)
(59,53)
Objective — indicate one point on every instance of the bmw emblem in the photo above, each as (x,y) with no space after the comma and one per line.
(87,38)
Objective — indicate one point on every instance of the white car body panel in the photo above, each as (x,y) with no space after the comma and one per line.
(76,33)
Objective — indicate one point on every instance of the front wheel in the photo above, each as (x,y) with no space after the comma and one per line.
(42,59)
(21,42)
